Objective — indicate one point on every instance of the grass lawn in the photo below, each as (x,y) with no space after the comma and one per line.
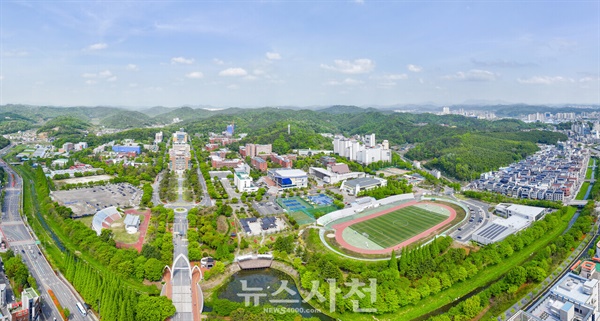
(121,235)
(582,191)
(395,227)
(460,289)
(588,173)
(87,220)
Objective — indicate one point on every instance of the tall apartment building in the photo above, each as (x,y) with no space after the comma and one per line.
(366,153)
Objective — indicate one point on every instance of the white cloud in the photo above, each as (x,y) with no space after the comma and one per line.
(273,56)
(182,60)
(90,82)
(15,53)
(233,87)
(258,72)
(347,81)
(414,68)
(105,74)
(473,75)
(358,66)
(132,67)
(133,85)
(97,46)
(217,61)
(195,75)
(1,77)
(233,72)
(250,77)
(359,1)
(395,77)
(544,80)
(588,79)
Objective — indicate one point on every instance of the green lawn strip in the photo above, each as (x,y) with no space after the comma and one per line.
(461,289)
(582,191)
(57,256)
(588,173)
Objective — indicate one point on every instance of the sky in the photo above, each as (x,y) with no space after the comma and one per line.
(298,53)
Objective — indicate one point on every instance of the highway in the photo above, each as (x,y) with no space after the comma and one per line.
(22,241)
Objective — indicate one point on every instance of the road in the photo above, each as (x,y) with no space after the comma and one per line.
(477,218)
(22,241)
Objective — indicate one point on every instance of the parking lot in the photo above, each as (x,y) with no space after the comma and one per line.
(267,208)
(89,200)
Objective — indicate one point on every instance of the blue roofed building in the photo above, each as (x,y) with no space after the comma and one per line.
(126,149)
(288,178)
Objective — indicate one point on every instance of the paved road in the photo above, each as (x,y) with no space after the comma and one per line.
(479,211)
(22,241)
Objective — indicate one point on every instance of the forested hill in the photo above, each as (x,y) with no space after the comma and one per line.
(461,147)
(468,155)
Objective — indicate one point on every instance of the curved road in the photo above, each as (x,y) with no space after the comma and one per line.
(22,241)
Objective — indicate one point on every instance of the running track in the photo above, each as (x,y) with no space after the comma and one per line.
(339,228)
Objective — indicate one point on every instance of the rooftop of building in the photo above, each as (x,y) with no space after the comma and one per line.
(131,220)
(574,287)
(288,172)
(30,293)
(522,209)
(363,181)
(340,168)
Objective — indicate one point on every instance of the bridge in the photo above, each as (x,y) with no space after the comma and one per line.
(578,203)
(253,262)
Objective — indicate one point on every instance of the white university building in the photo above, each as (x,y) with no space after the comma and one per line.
(363,150)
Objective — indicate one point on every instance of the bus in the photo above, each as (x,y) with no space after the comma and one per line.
(81,309)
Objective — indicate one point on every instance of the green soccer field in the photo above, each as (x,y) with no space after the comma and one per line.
(395,227)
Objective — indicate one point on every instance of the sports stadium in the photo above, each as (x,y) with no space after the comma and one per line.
(380,226)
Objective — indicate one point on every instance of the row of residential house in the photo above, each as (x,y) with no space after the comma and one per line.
(550,174)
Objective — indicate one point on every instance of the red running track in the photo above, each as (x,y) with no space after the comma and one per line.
(339,228)
(143,229)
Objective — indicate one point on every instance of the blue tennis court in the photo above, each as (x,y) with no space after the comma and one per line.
(321,199)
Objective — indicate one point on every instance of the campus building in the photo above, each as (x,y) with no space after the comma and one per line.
(362,150)
(252,150)
(67,147)
(80,146)
(180,157)
(129,148)
(259,164)
(219,162)
(132,223)
(531,213)
(334,173)
(574,297)
(283,161)
(180,137)
(288,178)
(499,229)
(357,185)
(242,180)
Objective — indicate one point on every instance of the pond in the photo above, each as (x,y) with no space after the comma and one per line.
(264,283)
